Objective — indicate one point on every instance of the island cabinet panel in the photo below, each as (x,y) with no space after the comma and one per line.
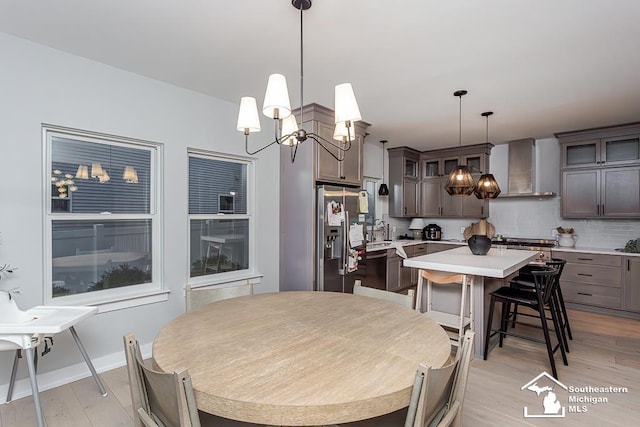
(592,279)
(631,266)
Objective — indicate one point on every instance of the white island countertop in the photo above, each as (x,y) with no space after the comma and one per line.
(497,263)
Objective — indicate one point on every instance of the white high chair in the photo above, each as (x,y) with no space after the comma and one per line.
(11,314)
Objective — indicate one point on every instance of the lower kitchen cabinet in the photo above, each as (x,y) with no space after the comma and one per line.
(394,265)
(398,276)
(631,267)
(592,279)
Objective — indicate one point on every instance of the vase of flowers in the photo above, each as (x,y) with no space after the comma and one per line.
(566,238)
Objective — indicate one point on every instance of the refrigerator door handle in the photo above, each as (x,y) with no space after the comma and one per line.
(345,242)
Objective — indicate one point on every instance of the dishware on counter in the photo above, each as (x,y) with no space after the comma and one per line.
(566,240)
(479,244)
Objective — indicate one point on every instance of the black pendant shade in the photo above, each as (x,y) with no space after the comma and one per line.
(460,181)
(487,187)
(383,190)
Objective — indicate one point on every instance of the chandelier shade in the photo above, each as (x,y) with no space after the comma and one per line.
(487,187)
(460,181)
(289,130)
(83,172)
(248,120)
(346,106)
(276,99)
(343,133)
(278,107)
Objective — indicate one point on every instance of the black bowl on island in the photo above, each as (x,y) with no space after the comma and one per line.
(479,244)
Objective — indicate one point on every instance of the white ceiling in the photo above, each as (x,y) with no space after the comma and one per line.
(542,66)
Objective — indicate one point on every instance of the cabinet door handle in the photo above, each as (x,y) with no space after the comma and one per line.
(603,209)
(585,259)
(585,274)
(481,210)
(585,294)
(628,265)
(598,206)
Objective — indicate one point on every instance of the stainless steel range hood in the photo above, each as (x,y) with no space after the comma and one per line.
(522,171)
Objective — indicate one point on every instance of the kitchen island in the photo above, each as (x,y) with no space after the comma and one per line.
(497,264)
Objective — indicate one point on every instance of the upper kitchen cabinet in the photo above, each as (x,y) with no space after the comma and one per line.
(601,172)
(348,169)
(404,191)
(436,166)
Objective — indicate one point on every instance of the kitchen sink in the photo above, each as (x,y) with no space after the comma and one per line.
(375,245)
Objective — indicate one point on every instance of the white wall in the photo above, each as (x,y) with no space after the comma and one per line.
(42,85)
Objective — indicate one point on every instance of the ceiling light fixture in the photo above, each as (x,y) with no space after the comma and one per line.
(487,187)
(460,181)
(277,106)
(383,190)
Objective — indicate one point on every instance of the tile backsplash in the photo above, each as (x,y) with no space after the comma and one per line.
(536,218)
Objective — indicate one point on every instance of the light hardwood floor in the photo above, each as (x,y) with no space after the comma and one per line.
(605,351)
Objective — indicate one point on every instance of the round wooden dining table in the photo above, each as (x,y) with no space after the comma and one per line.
(301,358)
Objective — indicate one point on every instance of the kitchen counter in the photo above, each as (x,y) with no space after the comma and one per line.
(588,250)
(384,245)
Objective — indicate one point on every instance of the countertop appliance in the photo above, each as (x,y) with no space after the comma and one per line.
(336,253)
(432,232)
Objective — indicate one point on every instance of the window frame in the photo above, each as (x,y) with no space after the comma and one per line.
(115,298)
(235,275)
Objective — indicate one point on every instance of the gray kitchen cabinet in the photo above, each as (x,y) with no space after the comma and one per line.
(317,161)
(601,193)
(346,171)
(394,265)
(404,190)
(631,266)
(436,166)
(418,250)
(591,279)
(600,172)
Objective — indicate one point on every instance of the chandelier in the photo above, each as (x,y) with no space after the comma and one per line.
(287,131)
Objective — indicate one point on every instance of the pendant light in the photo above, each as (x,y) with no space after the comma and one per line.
(383,190)
(487,187)
(460,181)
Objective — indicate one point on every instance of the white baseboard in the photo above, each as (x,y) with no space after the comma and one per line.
(68,374)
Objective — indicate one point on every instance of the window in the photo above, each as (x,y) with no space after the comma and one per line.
(102,223)
(220,220)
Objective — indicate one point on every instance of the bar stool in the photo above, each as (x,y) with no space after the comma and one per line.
(524,280)
(453,321)
(544,279)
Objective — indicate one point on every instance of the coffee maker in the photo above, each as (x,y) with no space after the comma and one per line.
(432,232)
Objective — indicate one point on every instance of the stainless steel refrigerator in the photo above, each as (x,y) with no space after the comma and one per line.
(340,238)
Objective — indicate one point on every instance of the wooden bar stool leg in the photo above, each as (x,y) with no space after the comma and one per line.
(470,283)
(419,291)
(462,301)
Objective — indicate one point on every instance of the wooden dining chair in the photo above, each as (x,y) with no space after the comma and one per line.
(438,393)
(159,398)
(196,297)
(402,299)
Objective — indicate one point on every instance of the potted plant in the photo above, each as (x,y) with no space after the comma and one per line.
(566,238)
